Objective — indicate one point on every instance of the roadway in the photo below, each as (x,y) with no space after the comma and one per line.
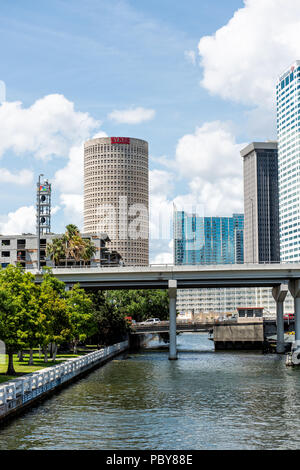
(188,276)
(190,326)
(163,327)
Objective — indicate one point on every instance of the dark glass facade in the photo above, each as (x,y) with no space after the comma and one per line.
(208,240)
(261,202)
(268,205)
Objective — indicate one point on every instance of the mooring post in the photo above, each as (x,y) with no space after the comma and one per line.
(279,293)
(172,290)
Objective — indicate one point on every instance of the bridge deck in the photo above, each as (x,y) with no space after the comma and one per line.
(150,277)
(163,327)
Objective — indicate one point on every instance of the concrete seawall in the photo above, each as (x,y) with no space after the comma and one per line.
(20,394)
(239,336)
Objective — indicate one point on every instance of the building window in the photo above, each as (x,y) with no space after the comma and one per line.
(21,244)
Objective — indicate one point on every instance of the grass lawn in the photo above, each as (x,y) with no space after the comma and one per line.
(23,368)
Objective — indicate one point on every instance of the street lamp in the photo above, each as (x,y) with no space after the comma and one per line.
(39,224)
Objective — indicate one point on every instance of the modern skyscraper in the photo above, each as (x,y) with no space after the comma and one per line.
(288,135)
(116,199)
(216,240)
(208,240)
(261,206)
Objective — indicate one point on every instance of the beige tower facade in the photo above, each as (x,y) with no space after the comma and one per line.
(116,195)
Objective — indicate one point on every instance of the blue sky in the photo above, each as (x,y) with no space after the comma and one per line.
(207,78)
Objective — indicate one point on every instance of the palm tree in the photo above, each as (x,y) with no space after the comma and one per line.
(71,245)
(89,250)
(77,247)
(71,230)
(56,250)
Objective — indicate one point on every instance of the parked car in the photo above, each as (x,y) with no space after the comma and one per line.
(150,321)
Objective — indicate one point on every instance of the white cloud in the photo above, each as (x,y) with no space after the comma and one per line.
(162,253)
(160,182)
(49,127)
(54,210)
(209,161)
(218,198)
(160,217)
(23,220)
(210,153)
(243,59)
(73,209)
(99,135)
(70,178)
(24,177)
(132,116)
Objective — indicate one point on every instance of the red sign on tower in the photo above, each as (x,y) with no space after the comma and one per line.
(120,140)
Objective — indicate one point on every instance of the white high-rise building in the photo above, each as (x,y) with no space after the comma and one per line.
(116,195)
(226,300)
(288,135)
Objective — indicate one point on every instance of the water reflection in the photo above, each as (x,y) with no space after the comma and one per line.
(205,400)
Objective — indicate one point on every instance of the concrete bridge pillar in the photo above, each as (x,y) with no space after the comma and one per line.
(294,288)
(172,290)
(279,293)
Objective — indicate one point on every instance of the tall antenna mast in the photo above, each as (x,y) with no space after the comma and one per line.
(43,212)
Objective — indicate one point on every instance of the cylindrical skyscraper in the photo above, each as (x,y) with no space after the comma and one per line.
(116,195)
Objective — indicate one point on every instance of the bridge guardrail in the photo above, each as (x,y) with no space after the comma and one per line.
(170,265)
(40,381)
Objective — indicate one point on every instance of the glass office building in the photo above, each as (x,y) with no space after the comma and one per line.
(208,240)
(216,240)
(288,136)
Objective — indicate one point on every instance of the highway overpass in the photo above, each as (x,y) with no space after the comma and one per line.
(157,277)
(281,277)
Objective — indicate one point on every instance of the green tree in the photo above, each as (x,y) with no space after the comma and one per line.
(56,250)
(141,304)
(71,246)
(110,320)
(53,308)
(80,312)
(89,250)
(19,316)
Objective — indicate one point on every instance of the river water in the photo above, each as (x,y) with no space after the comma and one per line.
(205,400)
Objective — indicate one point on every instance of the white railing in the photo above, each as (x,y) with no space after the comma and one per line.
(172,265)
(45,379)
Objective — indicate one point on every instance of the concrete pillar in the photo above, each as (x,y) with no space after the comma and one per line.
(279,293)
(172,290)
(294,287)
